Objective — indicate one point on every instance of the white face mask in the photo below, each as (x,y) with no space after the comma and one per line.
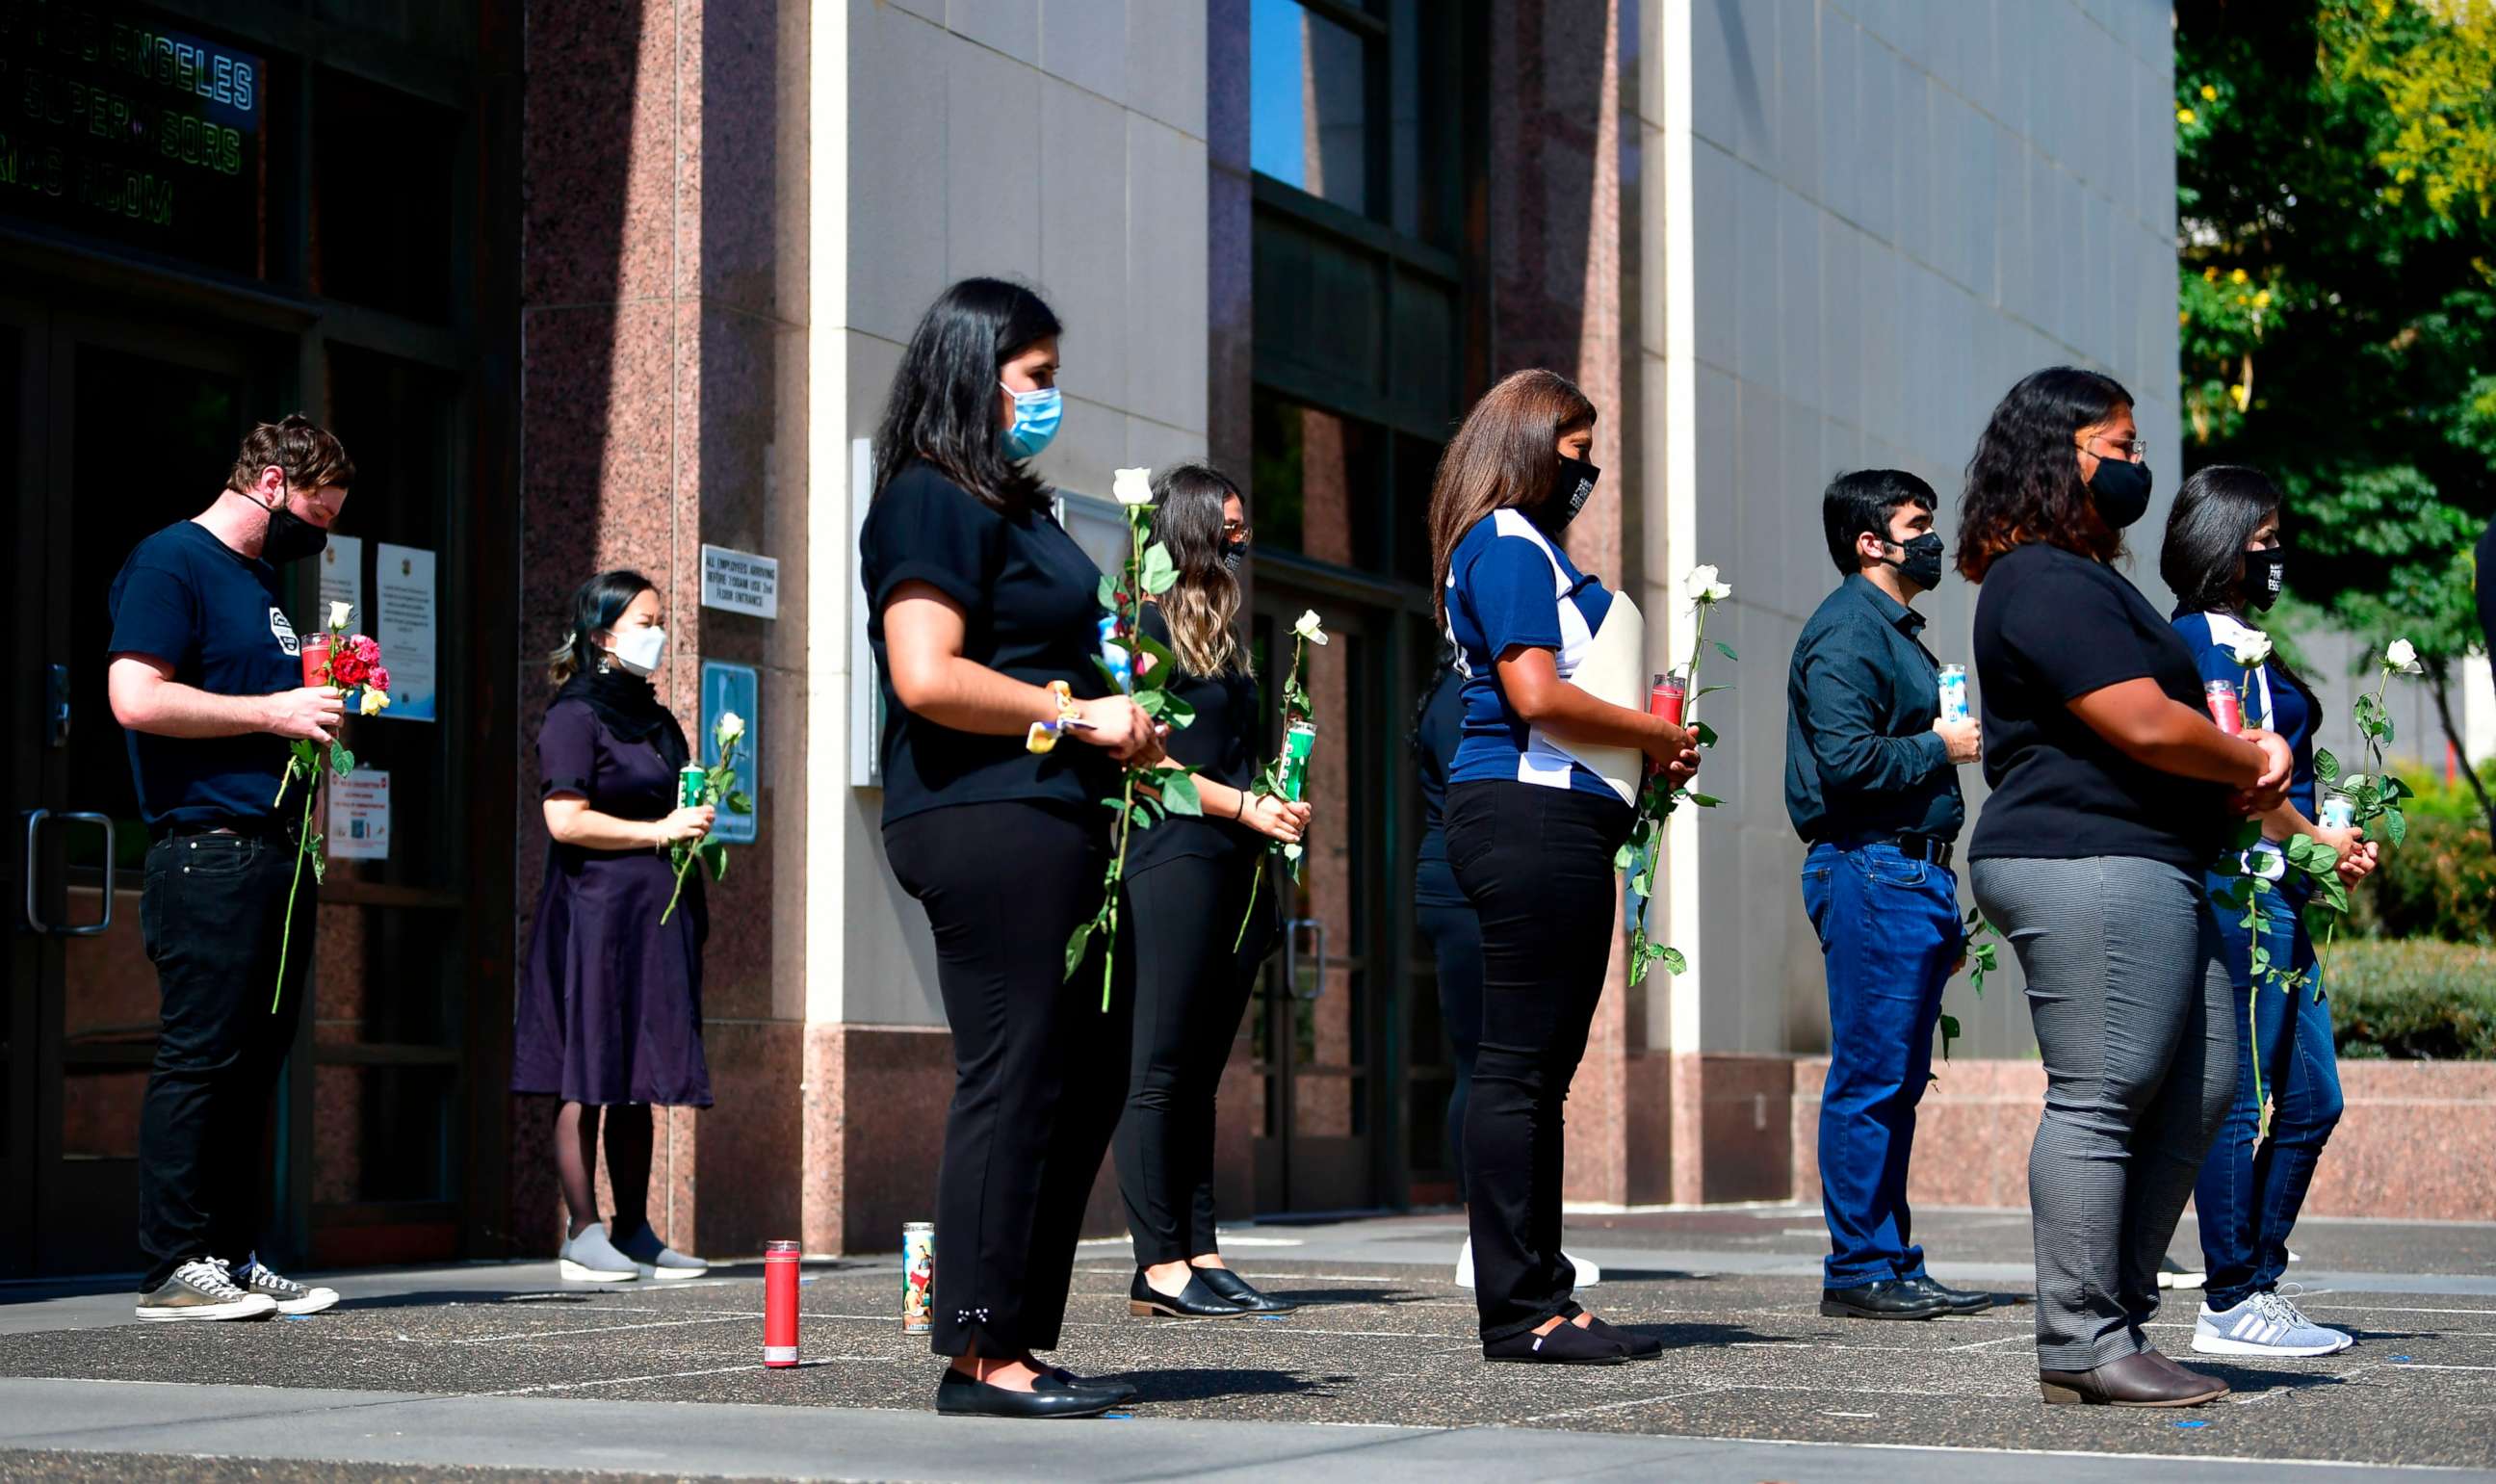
(639,650)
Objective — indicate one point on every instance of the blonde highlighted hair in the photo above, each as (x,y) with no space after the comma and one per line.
(1203,607)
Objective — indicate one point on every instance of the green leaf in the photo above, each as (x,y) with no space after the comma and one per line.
(1111,676)
(1161,574)
(1075,945)
(1949,1033)
(1725,649)
(2310,855)
(2326,767)
(2396,826)
(1181,797)
(312,846)
(341,761)
(2331,891)
(739,802)
(714,854)
(1706,801)
(1709,690)
(2395,788)
(1108,593)
(1176,713)
(1672,960)
(1643,885)
(2247,834)
(1985,956)
(1705,734)
(1150,700)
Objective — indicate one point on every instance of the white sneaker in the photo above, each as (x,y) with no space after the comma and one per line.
(1465,1265)
(2264,1324)
(203,1289)
(1588,1274)
(2174,1274)
(289,1296)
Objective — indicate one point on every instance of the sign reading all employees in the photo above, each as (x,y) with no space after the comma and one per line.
(740,583)
(115,125)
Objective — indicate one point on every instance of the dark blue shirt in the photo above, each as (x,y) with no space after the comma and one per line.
(1510,588)
(2268,697)
(219,618)
(1862,696)
(1434,752)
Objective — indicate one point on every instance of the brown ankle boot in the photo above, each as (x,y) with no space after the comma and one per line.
(2145,1379)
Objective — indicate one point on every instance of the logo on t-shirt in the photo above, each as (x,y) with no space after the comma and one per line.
(284,631)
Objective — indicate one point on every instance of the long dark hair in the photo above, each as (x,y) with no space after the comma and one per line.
(943,406)
(1203,607)
(596,608)
(1504,454)
(2024,481)
(2202,558)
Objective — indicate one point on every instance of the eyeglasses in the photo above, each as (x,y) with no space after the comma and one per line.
(1237,533)
(2131,448)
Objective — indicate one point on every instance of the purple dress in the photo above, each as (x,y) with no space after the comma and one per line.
(610,1007)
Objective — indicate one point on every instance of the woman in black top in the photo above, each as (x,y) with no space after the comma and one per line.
(1189,884)
(977,600)
(2112,789)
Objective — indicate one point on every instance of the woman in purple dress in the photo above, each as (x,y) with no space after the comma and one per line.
(610,1012)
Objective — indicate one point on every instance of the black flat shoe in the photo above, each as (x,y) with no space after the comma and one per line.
(1059,1379)
(1195,1300)
(1890,1298)
(1958,1301)
(1635,1345)
(959,1395)
(1566,1345)
(1238,1290)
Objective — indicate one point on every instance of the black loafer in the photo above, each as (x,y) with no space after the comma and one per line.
(1958,1301)
(1890,1298)
(1195,1300)
(1059,1379)
(1238,1290)
(1566,1345)
(1635,1345)
(959,1395)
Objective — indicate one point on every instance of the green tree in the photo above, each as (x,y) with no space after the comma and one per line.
(2336,187)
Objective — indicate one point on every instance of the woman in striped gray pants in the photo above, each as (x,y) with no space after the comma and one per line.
(2111,790)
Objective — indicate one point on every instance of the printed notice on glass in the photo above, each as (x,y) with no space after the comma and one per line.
(342,580)
(405,625)
(360,823)
(740,583)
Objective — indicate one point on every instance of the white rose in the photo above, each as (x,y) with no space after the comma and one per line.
(732,729)
(1703,586)
(2251,651)
(1132,487)
(2401,655)
(1310,628)
(339,614)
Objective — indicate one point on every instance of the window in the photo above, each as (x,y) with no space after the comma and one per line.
(1311,88)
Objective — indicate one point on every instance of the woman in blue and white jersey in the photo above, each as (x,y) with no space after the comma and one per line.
(1531,831)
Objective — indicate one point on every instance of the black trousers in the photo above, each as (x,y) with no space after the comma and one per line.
(1537,864)
(1038,1068)
(211,914)
(1456,941)
(1181,918)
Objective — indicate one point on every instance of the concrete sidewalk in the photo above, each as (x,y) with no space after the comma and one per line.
(503,1369)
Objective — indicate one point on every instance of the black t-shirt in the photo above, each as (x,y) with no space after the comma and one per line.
(1031,599)
(1434,749)
(2051,626)
(219,618)
(1220,744)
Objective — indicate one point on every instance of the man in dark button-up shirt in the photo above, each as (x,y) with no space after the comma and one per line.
(1872,784)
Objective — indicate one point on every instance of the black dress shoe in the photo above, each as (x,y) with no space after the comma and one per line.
(1059,1379)
(1890,1298)
(1635,1346)
(959,1395)
(1195,1300)
(1958,1301)
(1566,1345)
(1230,1285)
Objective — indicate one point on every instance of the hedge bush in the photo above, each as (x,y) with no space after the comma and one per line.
(2438,883)
(2412,1000)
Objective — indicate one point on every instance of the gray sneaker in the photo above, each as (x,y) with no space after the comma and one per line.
(653,1258)
(203,1289)
(590,1258)
(289,1296)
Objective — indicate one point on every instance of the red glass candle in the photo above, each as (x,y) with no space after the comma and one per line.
(779,1304)
(315,658)
(1665,698)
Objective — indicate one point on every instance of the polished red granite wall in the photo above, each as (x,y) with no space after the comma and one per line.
(663,376)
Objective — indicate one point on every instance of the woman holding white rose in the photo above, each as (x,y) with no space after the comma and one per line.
(1189,885)
(1001,737)
(1530,834)
(609,1017)
(2224,559)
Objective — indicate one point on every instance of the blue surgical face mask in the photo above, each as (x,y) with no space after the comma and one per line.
(1035,420)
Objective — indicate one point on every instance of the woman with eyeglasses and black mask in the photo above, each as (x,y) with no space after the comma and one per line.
(1189,886)
(2224,559)
(978,600)
(2112,791)
(1530,833)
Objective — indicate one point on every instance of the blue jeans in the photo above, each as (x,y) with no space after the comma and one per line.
(1889,931)
(2248,1193)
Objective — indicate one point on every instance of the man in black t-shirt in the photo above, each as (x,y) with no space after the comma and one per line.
(207,680)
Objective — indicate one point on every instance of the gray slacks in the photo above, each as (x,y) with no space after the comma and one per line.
(2135,1021)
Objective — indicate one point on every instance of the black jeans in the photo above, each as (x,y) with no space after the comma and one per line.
(211,915)
(1191,988)
(1537,864)
(1455,938)
(1040,1069)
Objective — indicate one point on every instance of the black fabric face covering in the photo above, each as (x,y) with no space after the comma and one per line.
(1923,562)
(291,538)
(2121,490)
(1569,492)
(2265,573)
(1235,554)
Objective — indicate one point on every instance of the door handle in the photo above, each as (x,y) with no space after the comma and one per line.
(36,819)
(1292,955)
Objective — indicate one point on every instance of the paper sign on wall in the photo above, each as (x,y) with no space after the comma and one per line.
(342,580)
(406,626)
(726,687)
(359,815)
(740,581)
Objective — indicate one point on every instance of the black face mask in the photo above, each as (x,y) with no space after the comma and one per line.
(1923,562)
(2121,490)
(1569,492)
(291,538)
(1235,554)
(2265,572)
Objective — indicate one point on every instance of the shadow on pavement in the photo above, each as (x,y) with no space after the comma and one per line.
(1316,1297)
(1205,1384)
